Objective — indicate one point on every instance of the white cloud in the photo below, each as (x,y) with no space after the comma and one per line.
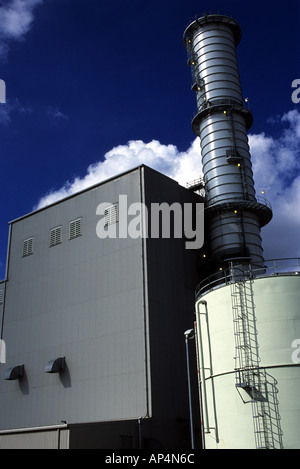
(55,113)
(4,114)
(181,166)
(12,105)
(16,17)
(276,167)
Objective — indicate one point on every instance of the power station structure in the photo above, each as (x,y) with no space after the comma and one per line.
(247,310)
(94,325)
(93,320)
(233,212)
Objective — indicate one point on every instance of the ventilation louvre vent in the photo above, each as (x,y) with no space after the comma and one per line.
(55,236)
(1,297)
(27,247)
(75,228)
(111,215)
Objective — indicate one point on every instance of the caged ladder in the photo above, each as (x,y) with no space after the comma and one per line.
(249,377)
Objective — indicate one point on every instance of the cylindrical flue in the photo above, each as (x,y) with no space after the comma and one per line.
(233,213)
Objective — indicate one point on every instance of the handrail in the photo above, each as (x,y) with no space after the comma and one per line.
(269,268)
(202,370)
(195,182)
(230,198)
(210,103)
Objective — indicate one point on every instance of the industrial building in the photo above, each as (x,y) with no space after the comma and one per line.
(94,328)
(94,325)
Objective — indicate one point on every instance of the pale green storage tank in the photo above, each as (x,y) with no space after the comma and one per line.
(248,345)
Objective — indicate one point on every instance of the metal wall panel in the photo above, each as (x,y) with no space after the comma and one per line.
(222,123)
(276,330)
(116,309)
(172,277)
(47,439)
(2,298)
(82,299)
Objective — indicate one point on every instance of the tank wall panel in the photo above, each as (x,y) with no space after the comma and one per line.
(276,308)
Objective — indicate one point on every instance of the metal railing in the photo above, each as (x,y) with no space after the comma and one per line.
(263,201)
(219,102)
(269,268)
(224,198)
(196,183)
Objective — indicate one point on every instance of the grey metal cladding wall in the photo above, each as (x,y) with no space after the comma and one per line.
(50,439)
(222,123)
(222,180)
(2,295)
(216,61)
(172,279)
(2,301)
(215,69)
(82,299)
(226,234)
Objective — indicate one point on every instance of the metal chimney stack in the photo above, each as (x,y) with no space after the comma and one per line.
(234,215)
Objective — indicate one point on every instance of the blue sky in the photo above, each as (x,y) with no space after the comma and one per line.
(97,86)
